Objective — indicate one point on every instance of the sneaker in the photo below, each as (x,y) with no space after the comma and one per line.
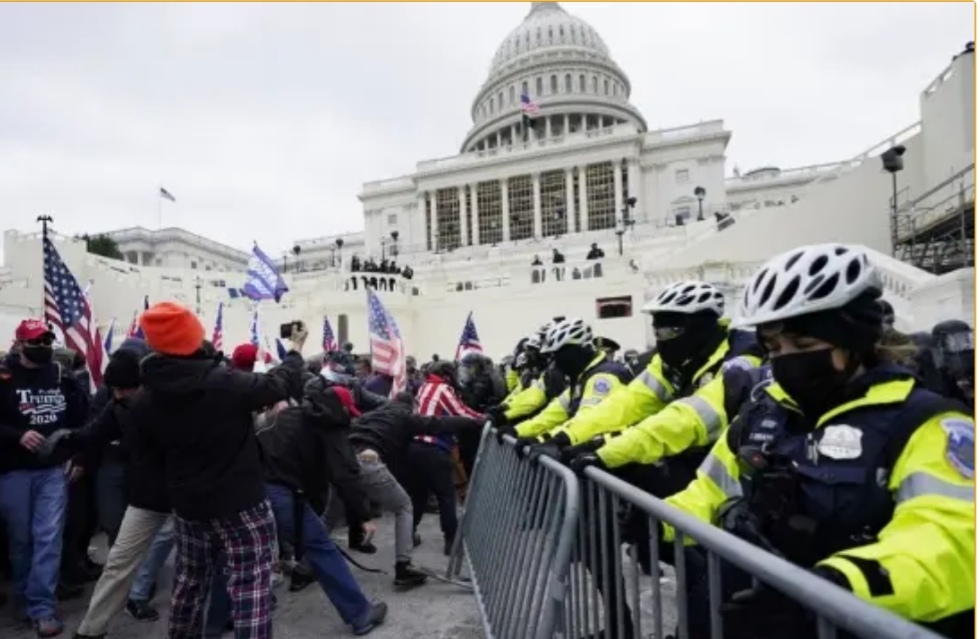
(365,547)
(300,579)
(416,540)
(447,547)
(48,626)
(374,618)
(141,610)
(407,575)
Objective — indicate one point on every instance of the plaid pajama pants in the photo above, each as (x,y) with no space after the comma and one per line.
(247,541)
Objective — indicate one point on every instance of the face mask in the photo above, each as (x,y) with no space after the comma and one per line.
(811,380)
(38,355)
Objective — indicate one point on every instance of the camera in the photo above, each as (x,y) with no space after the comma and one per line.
(286,330)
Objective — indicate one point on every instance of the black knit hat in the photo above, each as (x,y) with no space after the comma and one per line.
(123,370)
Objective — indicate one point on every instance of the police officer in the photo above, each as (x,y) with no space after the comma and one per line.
(540,382)
(953,352)
(594,377)
(839,462)
(693,345)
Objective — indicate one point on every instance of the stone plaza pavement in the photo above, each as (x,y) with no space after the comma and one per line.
(434,611)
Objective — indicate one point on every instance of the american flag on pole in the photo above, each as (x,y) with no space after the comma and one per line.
(528,106)
(469,341)
(329,341)
(218,338)
(66,308)
(165,194)
(387,348)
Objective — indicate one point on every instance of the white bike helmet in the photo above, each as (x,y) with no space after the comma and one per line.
(534,340)
(689,298)
(569,332)
(807,280)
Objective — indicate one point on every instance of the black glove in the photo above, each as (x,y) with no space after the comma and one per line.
(585,460)
(571,452)
(496,415)
(548,449)
(504,430)
(832,575)
(525,442)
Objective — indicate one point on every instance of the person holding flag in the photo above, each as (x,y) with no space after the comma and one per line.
(469,340)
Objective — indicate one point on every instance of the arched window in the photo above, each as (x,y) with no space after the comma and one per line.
(568,83)
(524,88)
(539,87)
(581,83)
(605,85)
(595,85)
(500,101)
(510,93)
(615,88)
(490,102)
(554,84)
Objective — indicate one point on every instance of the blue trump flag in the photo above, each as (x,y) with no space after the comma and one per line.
(263,280)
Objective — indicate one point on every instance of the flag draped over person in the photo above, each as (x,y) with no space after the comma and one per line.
(329,341)
(469,340)
(263,280)
(387,348)
(67,309)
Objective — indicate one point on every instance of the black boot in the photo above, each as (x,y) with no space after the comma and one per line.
(407,575)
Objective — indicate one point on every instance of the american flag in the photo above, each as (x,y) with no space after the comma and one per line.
(329,341)
(135,330)
(387,348)
(469,341)
(217,338)
(528,106)
(66,308)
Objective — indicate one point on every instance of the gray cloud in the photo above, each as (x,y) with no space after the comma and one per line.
(264,120)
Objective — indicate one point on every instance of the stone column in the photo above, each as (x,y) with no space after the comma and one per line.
(547,127)
(474,214)
(536,190)
(434,210)
(636,188)
(565,129)
(618,187)
(583,198)
(462,216)
(569,199)
(505,210)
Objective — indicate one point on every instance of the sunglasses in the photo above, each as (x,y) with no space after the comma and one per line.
(44,340)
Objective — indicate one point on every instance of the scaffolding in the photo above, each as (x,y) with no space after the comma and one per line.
(935,232)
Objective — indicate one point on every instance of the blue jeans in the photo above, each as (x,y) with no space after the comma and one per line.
(146,578)
(320,551)
(32,503)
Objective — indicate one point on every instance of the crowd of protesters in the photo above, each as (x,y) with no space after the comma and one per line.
(239,466)
(378,275)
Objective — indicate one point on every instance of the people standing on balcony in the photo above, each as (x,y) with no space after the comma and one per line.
(537,261)
(595,253)
(558,260)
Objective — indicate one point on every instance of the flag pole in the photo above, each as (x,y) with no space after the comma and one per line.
(160,208)
(44,220)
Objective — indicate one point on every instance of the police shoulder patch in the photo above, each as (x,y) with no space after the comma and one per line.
(959,445)
(743,363)
(601,386)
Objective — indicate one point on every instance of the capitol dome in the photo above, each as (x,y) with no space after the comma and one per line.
(561,63)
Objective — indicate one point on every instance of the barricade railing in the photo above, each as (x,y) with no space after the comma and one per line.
(516,536)
(603,579)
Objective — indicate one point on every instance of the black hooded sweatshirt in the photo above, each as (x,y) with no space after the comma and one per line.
(389,429)
(198,416)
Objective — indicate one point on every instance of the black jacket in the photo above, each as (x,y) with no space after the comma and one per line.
(198,415)
(112,430)
(305,448)
(44,400)
(389,429)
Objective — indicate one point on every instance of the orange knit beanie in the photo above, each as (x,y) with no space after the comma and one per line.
(171,329)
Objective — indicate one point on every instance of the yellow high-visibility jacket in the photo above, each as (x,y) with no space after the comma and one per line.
(651,391)
(690,422)
(927,550)
(513,380)
(600,378)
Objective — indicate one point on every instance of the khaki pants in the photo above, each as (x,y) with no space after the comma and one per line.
(136,534)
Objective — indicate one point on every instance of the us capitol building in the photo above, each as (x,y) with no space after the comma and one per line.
(581,167)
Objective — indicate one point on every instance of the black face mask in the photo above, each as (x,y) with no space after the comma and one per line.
(572,360)
(38,355)
(811,380)
(674,352)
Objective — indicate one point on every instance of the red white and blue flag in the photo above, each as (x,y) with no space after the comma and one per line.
(528,106)
(218,338)
(329,340)
(135,330)
(469,341)
(67,308)
(387,348)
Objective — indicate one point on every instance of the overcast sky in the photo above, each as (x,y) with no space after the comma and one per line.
(265,120)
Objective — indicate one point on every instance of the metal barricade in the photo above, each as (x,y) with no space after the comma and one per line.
(516,536)
(608,597)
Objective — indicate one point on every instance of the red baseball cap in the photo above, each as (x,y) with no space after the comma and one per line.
(347,400)
(31,329)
